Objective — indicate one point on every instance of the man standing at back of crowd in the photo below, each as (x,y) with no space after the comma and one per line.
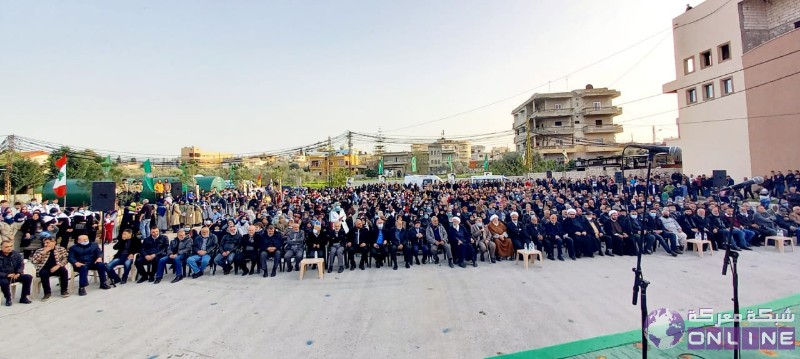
(145,217)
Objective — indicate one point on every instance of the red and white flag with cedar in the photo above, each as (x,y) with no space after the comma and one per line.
(60,186)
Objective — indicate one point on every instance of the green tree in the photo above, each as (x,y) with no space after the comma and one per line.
(339,177)
(512,164)
(81,165)
(25,175)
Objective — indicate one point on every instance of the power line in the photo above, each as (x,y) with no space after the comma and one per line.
(702,17)
(639,62)
(531,89)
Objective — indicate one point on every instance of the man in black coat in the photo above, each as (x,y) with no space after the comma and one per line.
(516,232)
(153,248)
(461,242)
(269,246)
(12,269)
(358,242)
(85,256)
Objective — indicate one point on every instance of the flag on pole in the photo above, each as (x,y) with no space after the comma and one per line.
(485,162)
(566,158)
(60,185)
(148,175)
(380,167)
(258,181)
(414,164)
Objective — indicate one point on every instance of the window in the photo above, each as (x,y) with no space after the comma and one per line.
(314,163)
(577,122)
(708,91)
(705,59)
(688,65)
(797,25)
(691,96)
(724,52)
(597,105)
(557,106)
(598,122)
(558,123)
(727,86)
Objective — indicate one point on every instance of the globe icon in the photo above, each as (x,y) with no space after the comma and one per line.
(665,328)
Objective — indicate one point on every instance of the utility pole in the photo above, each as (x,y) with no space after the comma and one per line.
(349,153)
(528,154)
(328,162)
(9,152)
(654,133)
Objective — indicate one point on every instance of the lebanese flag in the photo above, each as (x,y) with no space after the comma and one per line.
(60,186)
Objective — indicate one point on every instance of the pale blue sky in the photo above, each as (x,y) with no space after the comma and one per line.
(247,76)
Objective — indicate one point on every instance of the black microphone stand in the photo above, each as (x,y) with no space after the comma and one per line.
(732,260)
(639,283)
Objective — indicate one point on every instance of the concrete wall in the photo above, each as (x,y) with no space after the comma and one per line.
(764,20)
(774,141)
(711,130)
(599,171)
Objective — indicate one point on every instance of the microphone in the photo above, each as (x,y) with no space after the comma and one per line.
(654,150)
(738,186)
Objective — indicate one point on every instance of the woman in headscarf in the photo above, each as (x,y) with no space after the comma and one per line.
(497,231)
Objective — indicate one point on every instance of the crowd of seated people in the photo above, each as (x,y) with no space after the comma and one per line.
(391,225)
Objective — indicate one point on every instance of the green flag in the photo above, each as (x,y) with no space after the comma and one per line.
(230,173)
(414,164)
(380,167)
(485,162)
(450,162)
(148,175)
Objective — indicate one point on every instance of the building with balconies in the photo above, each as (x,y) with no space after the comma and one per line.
(579,123)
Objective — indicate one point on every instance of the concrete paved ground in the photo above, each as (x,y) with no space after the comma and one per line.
(424,312)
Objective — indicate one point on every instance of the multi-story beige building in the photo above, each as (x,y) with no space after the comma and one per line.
(737,83)
(196,155)
(440,152)
(579,122)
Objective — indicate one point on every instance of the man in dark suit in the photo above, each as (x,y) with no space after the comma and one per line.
(461,242)
(383,244)
(153,248)
(358,241)
(270,245)
(516,231)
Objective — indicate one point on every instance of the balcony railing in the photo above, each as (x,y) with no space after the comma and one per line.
(553,130)
(552,112)
(596,111)
(602,129)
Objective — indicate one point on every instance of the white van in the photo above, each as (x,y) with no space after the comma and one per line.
(487,178)
(421,180)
